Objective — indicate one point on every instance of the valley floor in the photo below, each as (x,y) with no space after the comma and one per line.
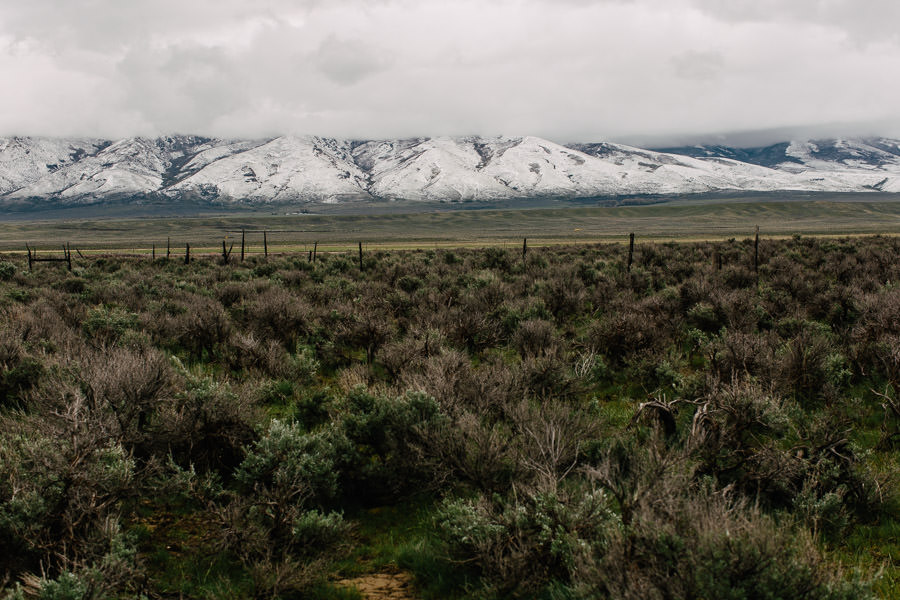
(430,226)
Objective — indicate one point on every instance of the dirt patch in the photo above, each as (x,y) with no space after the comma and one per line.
(382,586)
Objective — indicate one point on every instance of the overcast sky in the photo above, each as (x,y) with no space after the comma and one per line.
(651,71)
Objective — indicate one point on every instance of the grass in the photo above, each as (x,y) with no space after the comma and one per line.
(402,536)
(875,548)
(460,228)
(179,557)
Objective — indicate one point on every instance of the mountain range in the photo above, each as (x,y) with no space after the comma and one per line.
(305,169)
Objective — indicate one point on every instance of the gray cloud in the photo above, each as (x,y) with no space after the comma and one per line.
(568,70)
(348,61)
(864,21)
(700,66)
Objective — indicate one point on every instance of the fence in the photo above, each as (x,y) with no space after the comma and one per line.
(227,251)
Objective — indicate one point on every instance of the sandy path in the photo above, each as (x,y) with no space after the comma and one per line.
(382,586)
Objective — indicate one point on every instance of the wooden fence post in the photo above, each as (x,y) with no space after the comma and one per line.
(360,257)
(265,244)
(524,249)
(153,258)
(315,248)
(168,248)
(242,245)
(66,257)
(187,253)
(756,252)
(630,250)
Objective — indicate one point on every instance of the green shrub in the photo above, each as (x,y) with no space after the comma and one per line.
(303,366)
(74,285)
(67,586)
(289,463)
(64,480)
(687,538)
(314,531)
(312,408)
(25,374)
(386,434)
(706,547)
(105,325)
(208,424)
(202,327)
(264,270)
(271,523)
(7,271)
(409,284)
(495,258)
(522,544)
(703,316)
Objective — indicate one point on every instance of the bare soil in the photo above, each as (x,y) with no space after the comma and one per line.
(390,585)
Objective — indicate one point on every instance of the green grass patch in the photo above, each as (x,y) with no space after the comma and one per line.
(403,536)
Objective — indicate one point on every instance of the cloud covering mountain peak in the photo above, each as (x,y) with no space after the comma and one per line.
(567,70)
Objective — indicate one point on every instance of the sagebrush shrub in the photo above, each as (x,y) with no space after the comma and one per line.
(522,543)
(7,271)
(64,478)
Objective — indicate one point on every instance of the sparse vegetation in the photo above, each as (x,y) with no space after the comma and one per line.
(498,425)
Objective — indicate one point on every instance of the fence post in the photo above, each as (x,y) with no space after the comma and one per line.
(242,245)
(265,244)
(153,258)
(68,255)
(524,248)
(315,248)
(756,252)
(187,253)
(28,248)
(630,250)
(168,248)
(360,257)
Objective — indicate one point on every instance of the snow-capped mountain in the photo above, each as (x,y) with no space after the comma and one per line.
(280,170)
(23,161)
(872,164)
(124,168)
(313,169)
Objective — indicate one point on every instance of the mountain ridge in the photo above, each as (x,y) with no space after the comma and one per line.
(311,169)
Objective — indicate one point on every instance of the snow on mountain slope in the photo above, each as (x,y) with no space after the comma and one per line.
(873,163)
(768,156)
(192,164)
(284,169)
(831,165)
(315,169)
(874,154)
(491,168)
(535,167)
(24,161)
(649,172)
(128,167)
(427,169)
